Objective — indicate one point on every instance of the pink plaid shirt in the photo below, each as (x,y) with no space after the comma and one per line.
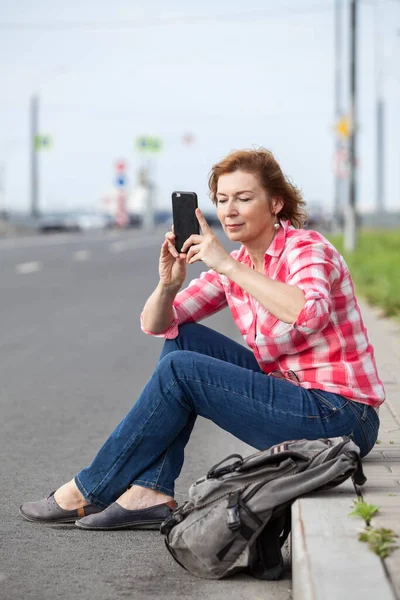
(327,347)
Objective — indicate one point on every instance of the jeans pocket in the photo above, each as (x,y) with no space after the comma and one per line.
(328,404)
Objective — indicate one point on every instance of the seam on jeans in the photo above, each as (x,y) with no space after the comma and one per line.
(150,485)
(374,427)
(318,394)
(363,428)
(282,412)
(335,410)
(161,466)
(330,416)
(217,387)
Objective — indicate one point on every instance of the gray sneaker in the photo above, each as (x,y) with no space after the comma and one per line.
(48,511)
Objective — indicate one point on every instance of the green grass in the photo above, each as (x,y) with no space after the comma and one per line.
(375,268)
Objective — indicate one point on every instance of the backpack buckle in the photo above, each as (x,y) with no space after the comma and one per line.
(233,517)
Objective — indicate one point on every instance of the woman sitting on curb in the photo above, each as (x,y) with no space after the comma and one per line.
(310,371)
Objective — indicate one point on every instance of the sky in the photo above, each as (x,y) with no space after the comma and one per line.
(231,74)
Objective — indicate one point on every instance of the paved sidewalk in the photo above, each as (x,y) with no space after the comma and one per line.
(328,560)
(382,466)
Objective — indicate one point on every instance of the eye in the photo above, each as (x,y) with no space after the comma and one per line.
(222,200)
(244,199)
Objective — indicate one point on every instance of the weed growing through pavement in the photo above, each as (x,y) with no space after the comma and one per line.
(382,541)
(364,510)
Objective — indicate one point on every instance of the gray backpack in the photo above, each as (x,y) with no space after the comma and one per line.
(237,517)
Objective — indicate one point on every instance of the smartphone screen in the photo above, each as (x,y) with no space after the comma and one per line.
(184,205)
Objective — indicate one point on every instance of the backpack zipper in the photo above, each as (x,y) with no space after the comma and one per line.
(262,483)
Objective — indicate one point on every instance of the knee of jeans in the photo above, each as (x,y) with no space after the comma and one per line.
(185,331)
(188,330)
(173,360)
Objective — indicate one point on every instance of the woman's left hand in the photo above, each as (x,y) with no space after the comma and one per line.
(206,248)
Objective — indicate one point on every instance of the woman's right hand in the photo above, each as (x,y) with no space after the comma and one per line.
(172,265)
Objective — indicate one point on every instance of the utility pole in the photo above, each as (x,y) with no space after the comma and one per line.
(337,207)
(3,200)
(146,181)
(380,118)
(350,227)
(34,117)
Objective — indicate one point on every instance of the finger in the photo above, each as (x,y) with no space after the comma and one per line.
(172,250)
(194,258)
(169,235)
(193,250)
(206,229)
(194,239)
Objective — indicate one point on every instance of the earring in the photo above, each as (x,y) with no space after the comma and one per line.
(276,224)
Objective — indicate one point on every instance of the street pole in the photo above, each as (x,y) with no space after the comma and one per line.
(34,117)
(3,199)
(337,207)
(380,118)
(350,228)
(147,181)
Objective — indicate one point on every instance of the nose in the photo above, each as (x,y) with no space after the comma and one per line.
(230,208)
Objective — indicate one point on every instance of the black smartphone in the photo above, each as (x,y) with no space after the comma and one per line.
(185,221)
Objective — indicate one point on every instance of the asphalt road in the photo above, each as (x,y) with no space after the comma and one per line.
(72,362)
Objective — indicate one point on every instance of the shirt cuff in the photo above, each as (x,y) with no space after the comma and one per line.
(169,334)
(315,313)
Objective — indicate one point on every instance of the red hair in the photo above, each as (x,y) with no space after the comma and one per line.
(262,163)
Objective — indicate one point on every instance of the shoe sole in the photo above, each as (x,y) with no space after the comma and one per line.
(48,522)
(138,525)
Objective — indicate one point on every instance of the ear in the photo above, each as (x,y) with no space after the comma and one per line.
(276,205)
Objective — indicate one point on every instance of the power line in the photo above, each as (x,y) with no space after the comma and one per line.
(164,21)
(127,24)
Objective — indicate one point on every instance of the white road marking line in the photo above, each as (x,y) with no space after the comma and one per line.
(82,255)
(59,239)
(122,245)
(29,267)
(117,246)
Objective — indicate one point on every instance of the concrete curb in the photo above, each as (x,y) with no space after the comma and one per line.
(328,561)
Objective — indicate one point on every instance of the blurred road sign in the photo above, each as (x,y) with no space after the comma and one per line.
(120,179)
(145,143)
(42,142)
(120,165)
(188,139)
(343,128)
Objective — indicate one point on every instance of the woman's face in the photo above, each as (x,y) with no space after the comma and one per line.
(243,207)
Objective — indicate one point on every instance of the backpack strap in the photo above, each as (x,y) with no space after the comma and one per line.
(358,476)
(269,562)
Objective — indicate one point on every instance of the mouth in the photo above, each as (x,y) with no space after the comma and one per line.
(234,227)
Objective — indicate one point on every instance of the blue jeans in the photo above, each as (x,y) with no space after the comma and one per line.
(202,372)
